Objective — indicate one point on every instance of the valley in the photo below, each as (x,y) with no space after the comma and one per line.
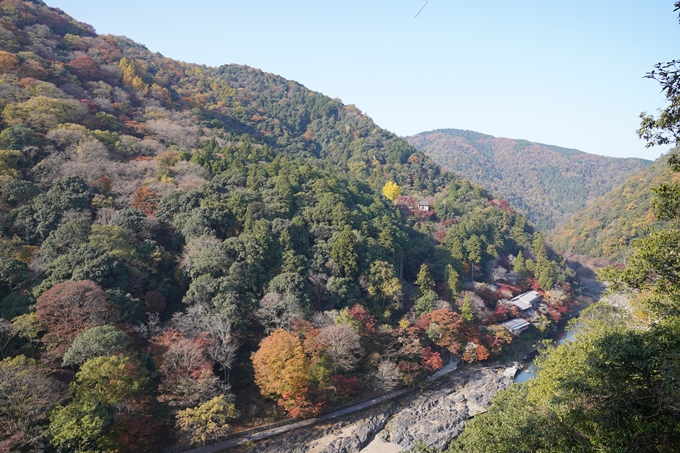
(191,253)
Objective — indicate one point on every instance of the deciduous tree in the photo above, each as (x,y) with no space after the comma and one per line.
(27,393)
(342,344)
(207,422)
(69,308)
(391,190)
(282,372)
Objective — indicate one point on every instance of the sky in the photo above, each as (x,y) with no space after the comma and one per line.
(562,73)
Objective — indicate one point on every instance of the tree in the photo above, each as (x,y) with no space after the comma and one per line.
(154,302)
(612,388)
(110,380)
(383,287)
(188,378)
(386,377)
(342,345)
(278,311)
(71,234)
(452,281)
(391,190)
(80,427)
(9,164)
(473,248)
(44,113)
(520,266)
(466,312)
(69,308)
(87,263)
(86,68)
(425,303)
(222,348)
(344,252)
(8,61)
(282,372)
(7,333)
(145,199)
(293,285)
(431,360)
(95,342)
(12,272)
(424,280)
(27,393)
(207,422)
(444,327)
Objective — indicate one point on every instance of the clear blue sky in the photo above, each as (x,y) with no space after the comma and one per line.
(564,73)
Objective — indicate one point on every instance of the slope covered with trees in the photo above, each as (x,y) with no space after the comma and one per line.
(544,182)
(608,226)
(180,244)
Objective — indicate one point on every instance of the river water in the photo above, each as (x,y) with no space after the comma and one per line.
(529,369)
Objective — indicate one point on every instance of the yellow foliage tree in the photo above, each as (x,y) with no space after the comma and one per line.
(206,422)
(391,190)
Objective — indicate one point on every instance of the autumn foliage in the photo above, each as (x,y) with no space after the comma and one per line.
(282,373)
(86,67)
(145,199)
(69,308)
(444,327)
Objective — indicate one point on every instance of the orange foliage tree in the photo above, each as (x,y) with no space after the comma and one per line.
(282,373)
(145,199)
(8,61)
(86,68)
(444,327)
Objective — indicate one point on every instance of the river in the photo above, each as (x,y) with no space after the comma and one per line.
(529,369)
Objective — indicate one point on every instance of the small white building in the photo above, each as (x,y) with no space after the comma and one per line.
(527,300)
(424,205)
(516,326)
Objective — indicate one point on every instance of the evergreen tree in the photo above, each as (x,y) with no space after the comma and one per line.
(466,310)
(520,266)
(344,252)
(424,280)
(452,281)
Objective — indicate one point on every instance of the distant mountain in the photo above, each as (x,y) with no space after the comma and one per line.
(607,226)
(547,183)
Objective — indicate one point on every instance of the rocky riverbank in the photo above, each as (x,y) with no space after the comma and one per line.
(434,415)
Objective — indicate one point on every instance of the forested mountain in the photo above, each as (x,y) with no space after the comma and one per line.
(607,227)
(181,244)
(544,182)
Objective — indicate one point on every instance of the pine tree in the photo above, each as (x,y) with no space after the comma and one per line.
(520,266)
(344,252)
(424,280)
(466,310)
(452,281)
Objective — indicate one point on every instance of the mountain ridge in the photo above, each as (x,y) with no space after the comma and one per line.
(608,226)
(545,182)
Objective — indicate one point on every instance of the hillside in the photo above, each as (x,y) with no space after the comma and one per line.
(186,249)
(607,227)
(546,183)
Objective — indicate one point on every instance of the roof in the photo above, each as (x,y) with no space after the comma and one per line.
(424,203)
(526,301)
(515,324)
